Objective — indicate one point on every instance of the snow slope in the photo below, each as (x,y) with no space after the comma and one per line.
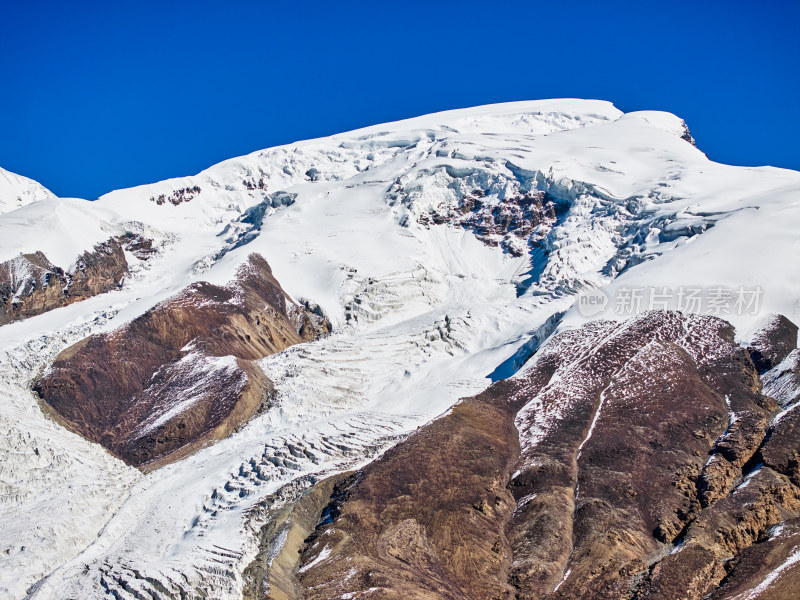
(17,191)
(422,313)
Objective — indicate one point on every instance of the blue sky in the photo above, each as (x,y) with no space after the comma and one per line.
(96,96)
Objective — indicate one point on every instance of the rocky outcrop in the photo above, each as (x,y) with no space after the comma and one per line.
(769,570)
(293,516)
(182,374)
(687,135)
(31,285)
(138,245)
(511,223)
(720,533)
(781,451)
(616,448)
(731,452)
(773,343)
(177,197)
(645,466)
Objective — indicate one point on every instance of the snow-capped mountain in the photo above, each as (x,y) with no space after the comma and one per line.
(246,334)
(17,191)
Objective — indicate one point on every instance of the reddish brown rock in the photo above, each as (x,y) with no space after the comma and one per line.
(773,342)
(733,450)
(781,452)
(769,570)
(177,197)
(512,223)
(722,532)
(628,481)
(31,285)
(181,374)
(641,413)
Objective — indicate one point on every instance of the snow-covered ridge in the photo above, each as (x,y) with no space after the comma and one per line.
(17,191)
(422,311)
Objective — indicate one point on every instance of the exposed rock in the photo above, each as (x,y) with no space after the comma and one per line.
(31,285)
(687,135)
(636,477)
(737,446)
(177,197)
(727,528)
(181,374)
(289,516)
(769,570)
(512,223)
(138,245)
(636,411)
(781,452)
(773,343)
(273,573)
(697,572)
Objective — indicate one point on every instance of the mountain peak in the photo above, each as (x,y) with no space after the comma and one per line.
(17,191)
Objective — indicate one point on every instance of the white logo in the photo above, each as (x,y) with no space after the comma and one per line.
(592,302)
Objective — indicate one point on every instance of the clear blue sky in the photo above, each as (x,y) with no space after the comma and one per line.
(96,96)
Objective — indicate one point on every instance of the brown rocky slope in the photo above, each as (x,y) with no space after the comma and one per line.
(183,373)
(646,462)
(31,285)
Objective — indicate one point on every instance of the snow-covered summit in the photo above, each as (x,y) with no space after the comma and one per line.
(17,191)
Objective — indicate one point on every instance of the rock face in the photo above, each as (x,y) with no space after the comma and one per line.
(511,223)
(630,460)
(177,197)
(773,343)
(291,520)
(769,570)
(616,449)
(181,374)
(31,285)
